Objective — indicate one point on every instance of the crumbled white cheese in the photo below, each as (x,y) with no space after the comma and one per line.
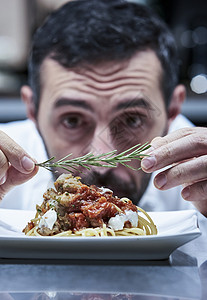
(117,222)
(105,190)
(132,217)
(48,219)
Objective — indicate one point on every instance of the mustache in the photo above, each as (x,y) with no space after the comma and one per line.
(103,180)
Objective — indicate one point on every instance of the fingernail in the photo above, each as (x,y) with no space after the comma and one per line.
(186,193)
(3,180)
(160,180)
(27,163)
(148,162)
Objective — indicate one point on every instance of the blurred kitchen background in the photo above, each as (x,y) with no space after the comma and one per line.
(186,18)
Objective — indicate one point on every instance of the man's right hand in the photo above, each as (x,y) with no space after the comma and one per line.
(16,166)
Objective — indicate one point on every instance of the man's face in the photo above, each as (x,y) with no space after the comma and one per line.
(101,108)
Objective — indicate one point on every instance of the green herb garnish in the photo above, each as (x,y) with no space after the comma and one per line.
(108,160)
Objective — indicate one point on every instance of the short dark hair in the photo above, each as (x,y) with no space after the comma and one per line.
(91,31)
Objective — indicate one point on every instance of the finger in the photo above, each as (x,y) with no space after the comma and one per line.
(181,149)
(176,135)
(18,158)
(157,142)
(4,165)
(197,194)
(13,178)
(184,173)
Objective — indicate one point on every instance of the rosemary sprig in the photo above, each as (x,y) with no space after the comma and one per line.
(108,160)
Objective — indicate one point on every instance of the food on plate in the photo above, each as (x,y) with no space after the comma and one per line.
(75,209)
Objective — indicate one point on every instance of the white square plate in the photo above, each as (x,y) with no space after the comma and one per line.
(175,228)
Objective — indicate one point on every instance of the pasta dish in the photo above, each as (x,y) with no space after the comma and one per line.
(72,208)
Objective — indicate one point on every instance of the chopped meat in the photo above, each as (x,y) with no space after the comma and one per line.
(67,183)
(99,211)
(78,221)
(66,199)
(122,204)
(50,194)
(29,226)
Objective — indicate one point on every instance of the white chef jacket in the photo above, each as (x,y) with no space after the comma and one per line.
(27,195)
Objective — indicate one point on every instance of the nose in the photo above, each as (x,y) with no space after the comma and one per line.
(101,143)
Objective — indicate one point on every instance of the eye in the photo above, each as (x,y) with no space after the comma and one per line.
(73,121)
(133,121)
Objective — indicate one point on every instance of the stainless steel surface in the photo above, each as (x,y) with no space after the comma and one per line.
(177,277)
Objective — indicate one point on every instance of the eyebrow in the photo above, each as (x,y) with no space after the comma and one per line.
(74,102)
(135,102)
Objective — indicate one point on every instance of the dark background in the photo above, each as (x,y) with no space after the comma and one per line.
(187,20)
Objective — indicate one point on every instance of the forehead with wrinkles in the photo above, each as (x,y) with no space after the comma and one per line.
(144,65)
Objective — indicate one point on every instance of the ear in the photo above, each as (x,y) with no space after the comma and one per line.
(27,97)
(177,99)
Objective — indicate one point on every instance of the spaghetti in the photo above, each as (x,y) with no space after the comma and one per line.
(74,209)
